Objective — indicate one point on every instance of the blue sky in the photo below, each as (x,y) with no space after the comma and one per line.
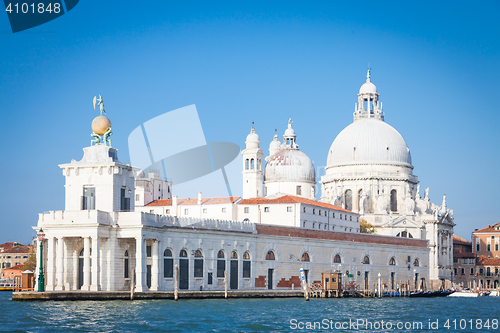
(436,66)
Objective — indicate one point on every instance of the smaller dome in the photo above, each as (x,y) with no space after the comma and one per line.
(275,144)
(289,165)
(289,132)
(253,137)
(368,88)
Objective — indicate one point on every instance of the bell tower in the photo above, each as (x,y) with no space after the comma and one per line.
(252,166)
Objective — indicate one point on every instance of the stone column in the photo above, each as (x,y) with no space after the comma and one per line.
(140,261)
(155,265)
(60,264)
(50,264)
(86,263)
(96,272)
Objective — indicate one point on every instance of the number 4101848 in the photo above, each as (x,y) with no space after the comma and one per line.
(40,8)
(477,324)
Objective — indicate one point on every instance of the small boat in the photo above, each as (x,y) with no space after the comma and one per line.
(6,287)
(469,293)
(442,293)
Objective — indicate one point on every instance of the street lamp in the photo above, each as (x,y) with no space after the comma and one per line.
(41,282)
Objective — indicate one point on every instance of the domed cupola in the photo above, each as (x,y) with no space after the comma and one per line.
(368,105)
(274,146)
(288,170)
(252,140)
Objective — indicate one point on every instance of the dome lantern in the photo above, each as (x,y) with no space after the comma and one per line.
(368,105)
(289,138)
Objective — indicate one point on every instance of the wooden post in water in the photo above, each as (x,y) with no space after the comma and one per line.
(304,283)
(176,290)
(132,285)
(225,284)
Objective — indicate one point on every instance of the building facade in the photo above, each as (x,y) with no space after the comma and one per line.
(13,254)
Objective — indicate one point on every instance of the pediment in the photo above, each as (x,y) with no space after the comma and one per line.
(402,222)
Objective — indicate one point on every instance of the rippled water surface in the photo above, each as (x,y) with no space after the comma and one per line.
(252,315)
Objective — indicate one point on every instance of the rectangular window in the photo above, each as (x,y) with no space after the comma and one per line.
(221,267)
(480,271)
(137,197)
(88,198)
(168,267)
(186,211)
(462,271)
(455,260)
(246,269)
(304,209)
(472,271)
(478,247)
(299,190)
(223,210)
(246,210)
(314,211)
(210,277)
(198,267)
(266,209)
(289,209)
(204,210)
(488,247)
(496,247)
(148,251)
(333,215)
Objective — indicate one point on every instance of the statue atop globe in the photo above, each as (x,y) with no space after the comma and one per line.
(101,125)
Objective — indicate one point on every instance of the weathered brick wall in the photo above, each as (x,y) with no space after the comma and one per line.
(260,282)
(284,283)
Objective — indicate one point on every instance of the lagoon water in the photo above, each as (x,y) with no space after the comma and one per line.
(253,315)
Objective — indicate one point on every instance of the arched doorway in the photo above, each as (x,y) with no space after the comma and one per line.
(183,270)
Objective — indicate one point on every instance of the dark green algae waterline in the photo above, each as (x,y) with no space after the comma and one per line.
(251,315)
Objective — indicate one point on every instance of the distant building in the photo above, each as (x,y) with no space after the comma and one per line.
(485,245)
(13,254)
(464,263)
(11,272)
(150,188)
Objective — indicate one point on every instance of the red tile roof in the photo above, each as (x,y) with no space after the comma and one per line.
(338,236)
(460,240)
(490,228)
(291,199)
(464,255)
(482,260)
(14,267)
(10,248)
(194,201)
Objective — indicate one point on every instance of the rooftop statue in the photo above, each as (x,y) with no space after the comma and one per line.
(101,125)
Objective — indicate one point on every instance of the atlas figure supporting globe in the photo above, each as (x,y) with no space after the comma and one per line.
(101,126)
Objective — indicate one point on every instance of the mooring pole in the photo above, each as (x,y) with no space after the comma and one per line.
(132,285)
(304,283)
(176,290)
(225,284)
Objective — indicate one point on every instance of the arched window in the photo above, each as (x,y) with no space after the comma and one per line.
(246,164)
(183,254)
(392,262)
(126,265)
(416,263)
(366,260)
(258,164)
(348,199)
(270,255)
(168,264)
(305,257)
(198,264)
(394,201)
(252,164)
(337,259)
(246,264)
(234,255)
(221,264)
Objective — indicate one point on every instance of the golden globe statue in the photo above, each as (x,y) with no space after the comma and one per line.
(100,125)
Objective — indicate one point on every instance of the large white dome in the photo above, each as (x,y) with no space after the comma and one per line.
(289,165)
(369,141)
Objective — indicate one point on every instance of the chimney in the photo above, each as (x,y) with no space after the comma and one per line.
(174,205)
(199,198)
